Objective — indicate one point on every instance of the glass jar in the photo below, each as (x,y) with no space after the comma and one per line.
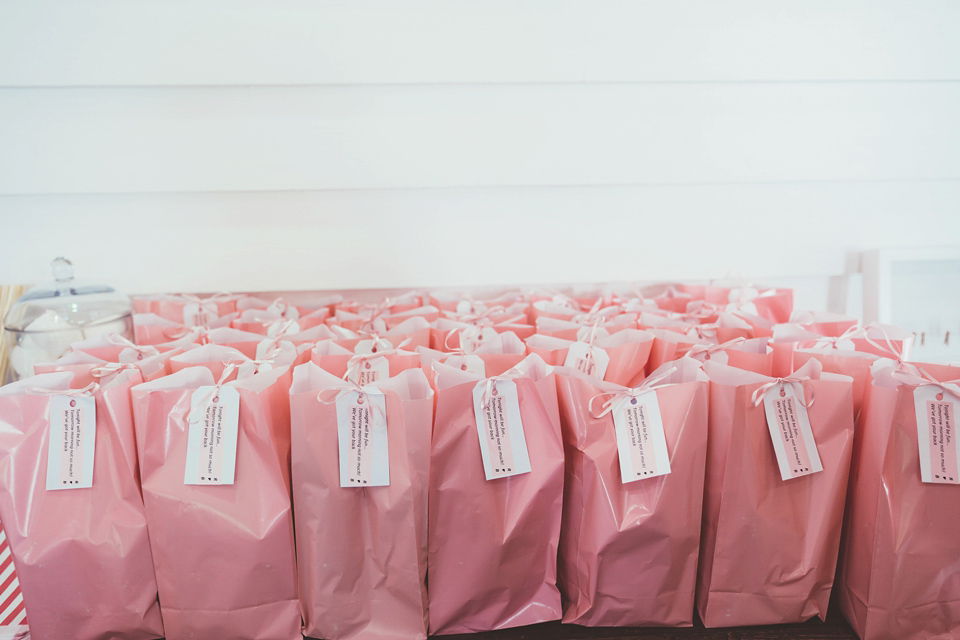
(48,318)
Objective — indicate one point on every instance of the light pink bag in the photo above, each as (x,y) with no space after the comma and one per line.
(572,329)
(670,345)
(78,363)
(187,308)
(900,567)
(224,554)
(753,354)
(361,551)
(493,357)
(87,368)
(151,329)
(493,543)
(381,318)
(446,334)
(343,363)
(113,347)
(412,333)
(82,555)
(628,552)
(769,546)
(628,351)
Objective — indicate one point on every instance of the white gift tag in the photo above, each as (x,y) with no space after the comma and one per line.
(365,347)
(790,432)
(362,437)
(503,446)
(472,338)
(939,447)
(641,443)
(471,364)
(200,314)
(583,333)
(588,359)
(213,425)
(73,440)
(366,371)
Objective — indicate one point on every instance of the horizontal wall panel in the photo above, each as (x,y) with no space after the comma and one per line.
(291,138)
(469,237)
(249,42)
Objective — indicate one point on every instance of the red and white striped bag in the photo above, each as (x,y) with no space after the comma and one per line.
(13,617)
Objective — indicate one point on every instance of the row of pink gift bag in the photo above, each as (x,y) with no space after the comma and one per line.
(493,537)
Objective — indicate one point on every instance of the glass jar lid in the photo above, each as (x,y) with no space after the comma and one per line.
(66,303)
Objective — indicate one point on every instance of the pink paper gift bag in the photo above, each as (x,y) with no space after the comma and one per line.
(900,567)
(223,553)
(769,546)
(628,351)
(493,543)
(628,551)
(361,550)
(82,555)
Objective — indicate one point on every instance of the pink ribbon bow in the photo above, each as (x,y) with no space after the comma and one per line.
(616,398)
(761,392)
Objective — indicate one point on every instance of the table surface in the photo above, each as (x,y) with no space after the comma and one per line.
(834,628)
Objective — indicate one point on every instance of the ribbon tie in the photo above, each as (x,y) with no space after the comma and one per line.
(88,390)
(617,398)
(276,329)
(378,341)
(197,412)
(468,335)
(348,386)
(375,311)
(707,350)
(255,363)
(891,346)
(761,392)
(593,314)
(358,360)
(200,333)
(706,331)
(701,309)
(924,379)
(490,385)
(482,318)
(831,342)
(108,368)
(120,341)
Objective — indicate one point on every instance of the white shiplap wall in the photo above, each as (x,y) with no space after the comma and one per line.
(247,145)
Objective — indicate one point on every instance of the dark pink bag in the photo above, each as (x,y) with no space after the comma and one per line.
(493,543)
(900,568)
(628,551)
(769,545)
